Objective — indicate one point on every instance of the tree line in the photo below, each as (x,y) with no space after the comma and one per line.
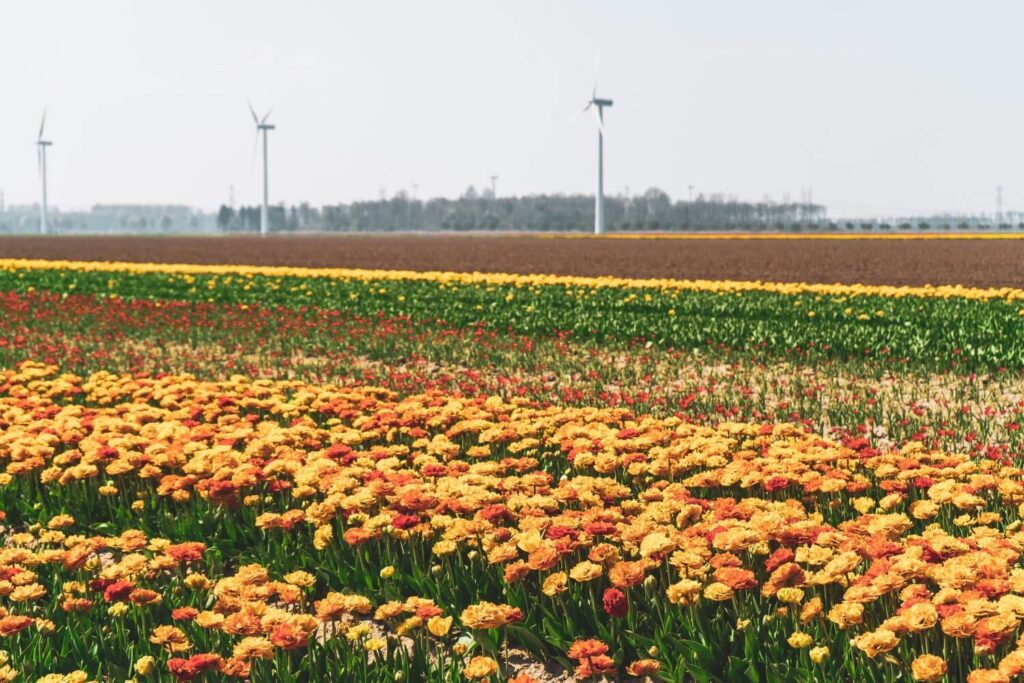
(654,210)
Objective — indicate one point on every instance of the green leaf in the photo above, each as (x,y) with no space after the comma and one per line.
(528,639)
(741,670)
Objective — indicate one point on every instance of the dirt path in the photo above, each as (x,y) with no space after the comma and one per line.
(972,262)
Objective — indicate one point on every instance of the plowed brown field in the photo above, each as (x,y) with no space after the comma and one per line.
(976,262)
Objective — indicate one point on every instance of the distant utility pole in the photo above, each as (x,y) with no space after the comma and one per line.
(690,188)
(494,190)
(999,203)
(415,189)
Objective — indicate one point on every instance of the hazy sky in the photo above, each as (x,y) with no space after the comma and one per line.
(882,107)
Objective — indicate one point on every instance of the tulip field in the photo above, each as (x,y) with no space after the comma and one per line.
(217,473)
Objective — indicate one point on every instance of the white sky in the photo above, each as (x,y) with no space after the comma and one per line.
(880,106)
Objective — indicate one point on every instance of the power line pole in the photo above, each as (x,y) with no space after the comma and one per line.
(494,187)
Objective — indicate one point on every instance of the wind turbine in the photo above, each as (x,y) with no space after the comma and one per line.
(597,105)
(263,127)
(41,146)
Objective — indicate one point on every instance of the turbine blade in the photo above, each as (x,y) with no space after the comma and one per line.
(269,111)
(255,148)
(597,117)
(42,126)
(581,112)
(252,111)
(597,73)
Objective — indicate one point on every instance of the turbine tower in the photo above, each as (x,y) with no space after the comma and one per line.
(597,105)
(41,146)
(263,127)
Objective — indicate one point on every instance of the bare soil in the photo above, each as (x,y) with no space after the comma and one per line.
(974,262)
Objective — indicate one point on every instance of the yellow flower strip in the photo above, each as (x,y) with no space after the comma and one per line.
(519,280)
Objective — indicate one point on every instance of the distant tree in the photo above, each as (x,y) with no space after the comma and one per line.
(277,218)
(651,210)
(225,217)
